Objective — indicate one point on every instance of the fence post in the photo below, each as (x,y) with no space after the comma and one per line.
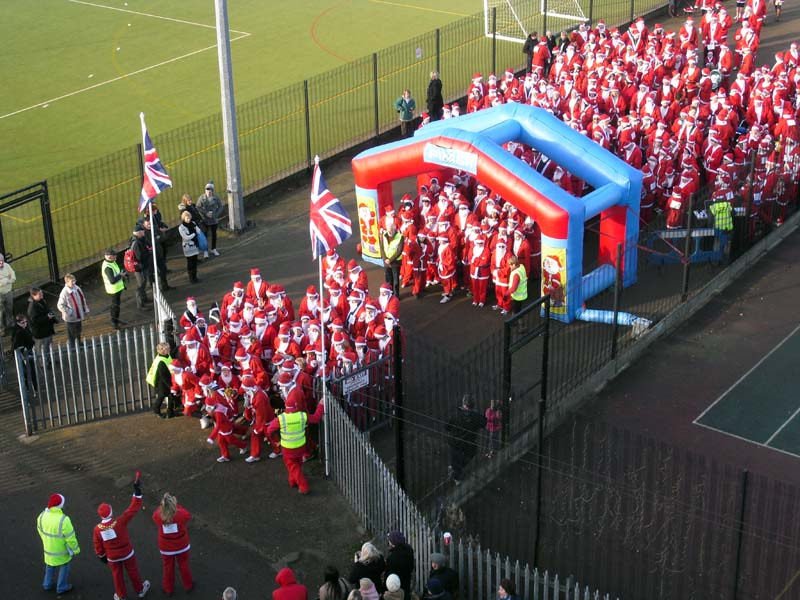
(24,397)
(308,124)
(740,533)
(542,411)
(687,253)
(633,10)
(438,51)
(49,235)
(506,397)
(494,39)
(400,470)
(617,293)
(591,11)
(375,88)
(544,17)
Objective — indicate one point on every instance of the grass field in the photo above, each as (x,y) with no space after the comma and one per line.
(77,73)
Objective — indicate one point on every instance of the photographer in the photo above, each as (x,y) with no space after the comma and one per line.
(42,321)
(368,564)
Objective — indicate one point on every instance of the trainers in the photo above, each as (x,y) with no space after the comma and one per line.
(205,254)
(215,252)
(222,459)
(474,304)
(242,451)
(252,459)
(209,441)
(504,312)
(444,300)
(496,307)
(145,588)
(117,597)
(274,454)
(480,304)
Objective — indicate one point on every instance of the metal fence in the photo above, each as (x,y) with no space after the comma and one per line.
(382,504)
(100,377)
(279,133)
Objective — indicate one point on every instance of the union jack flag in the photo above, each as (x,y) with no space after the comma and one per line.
(328,221)
(155,179)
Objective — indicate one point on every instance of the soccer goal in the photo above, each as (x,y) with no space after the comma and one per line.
(517,18)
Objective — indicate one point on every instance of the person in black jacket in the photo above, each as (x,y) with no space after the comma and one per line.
(443,574)
(144,266)
(530,46)
(42,321)
(368,563)
(160,378)
(400,560)
(462,436)
(434,99)
(22,338)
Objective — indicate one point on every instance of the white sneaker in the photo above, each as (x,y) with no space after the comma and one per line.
(215,252)
(242,451)
(116,597)
(222,459)
(145,588)
(252,459)
(209,441)
(274,454)
(205,254)
(444,300)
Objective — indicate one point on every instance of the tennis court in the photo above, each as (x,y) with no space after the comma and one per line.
(763,406)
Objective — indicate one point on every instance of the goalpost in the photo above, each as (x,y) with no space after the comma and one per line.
(517,18)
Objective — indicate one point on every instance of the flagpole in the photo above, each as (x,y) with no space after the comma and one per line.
(157,293)
(324,375)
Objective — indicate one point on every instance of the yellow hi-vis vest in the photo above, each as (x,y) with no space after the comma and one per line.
(521,293)
(117,286)
(151,374)
(293,429)
(58,537)
(723,215)
(392,247)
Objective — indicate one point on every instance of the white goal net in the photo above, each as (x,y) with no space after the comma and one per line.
(517,18)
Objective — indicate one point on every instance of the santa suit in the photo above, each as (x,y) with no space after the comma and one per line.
(223,429)
(231,304)
(541,56)
(330,264)
(390,304)
(196,356)
(174,546)
(220,347)
(284,345)
(632,155)
(112,542)
(256,292)
(479,271)
(259,412)
(760,114)
(309,307)
(420,252)
(293,457)
(522,250)
(446,267)
(551,280)
(500,275)
(188,318)
(229,381)
(187,385)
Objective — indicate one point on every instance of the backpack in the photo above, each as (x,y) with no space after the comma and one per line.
(129,261)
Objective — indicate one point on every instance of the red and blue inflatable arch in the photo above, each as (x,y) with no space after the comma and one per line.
(473,143)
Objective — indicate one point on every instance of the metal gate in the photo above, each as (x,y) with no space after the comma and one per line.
(26,234)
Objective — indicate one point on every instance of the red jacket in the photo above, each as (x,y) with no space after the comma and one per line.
(173,538)
(289,588)
(110,536)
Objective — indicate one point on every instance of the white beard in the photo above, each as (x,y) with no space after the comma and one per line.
(477,251)
(383,301)
(226,380)
(311,305)
(260,329)
(178,378)
(517,244)
(313,336)
(192,354)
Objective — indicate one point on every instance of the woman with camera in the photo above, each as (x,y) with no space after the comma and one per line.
(42,321)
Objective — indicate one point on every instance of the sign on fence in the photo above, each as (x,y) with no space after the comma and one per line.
(355,382)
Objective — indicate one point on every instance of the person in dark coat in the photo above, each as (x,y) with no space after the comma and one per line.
(528,48)
(462,436)
(42,321)
(446,577)
(21,336)
(434,99)
(400,560)
(368,563)
(144,266)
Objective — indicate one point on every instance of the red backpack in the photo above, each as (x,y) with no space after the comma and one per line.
(129,261)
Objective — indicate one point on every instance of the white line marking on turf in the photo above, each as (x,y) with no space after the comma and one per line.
(774,435)
(743,377)
(101,83)
(744,439)
(142,14)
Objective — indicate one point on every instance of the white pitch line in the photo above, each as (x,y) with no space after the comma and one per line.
(743,377)
(781,428)
(102,83)
(142,14)
(744,439)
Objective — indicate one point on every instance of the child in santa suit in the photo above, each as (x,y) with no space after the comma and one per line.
(223,428)
(479,271)
(112,545)
(446,268)
(186,385)
(500,275)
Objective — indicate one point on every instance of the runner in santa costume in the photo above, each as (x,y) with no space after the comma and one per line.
(194,353)
(259,412)
(232,302)
(331,263)
(172,520)
(186,385)
(252,365)
(282,303)
(479,271)
(356,277)
(189,316)
(256,290)
(309,305)
(283,341)
(292,425)
(500,276)
(222,432)
(446,268)
(112,545)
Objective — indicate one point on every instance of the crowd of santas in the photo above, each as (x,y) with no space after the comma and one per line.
(685,107)
(256,353)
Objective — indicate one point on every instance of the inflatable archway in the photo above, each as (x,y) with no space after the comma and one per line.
(472,143)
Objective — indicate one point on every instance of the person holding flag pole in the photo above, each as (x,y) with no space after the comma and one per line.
(154,181)
(329,226)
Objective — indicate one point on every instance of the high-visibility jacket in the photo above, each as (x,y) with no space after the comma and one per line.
(293,429)
(112,287)
(151,374)
(58,537)
(392,247)
(521,293)
(723,215)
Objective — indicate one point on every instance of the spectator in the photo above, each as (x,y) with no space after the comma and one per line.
(528,48)
(229,594)
(60,544)
(160,378)
(114,282)
(462,436)
(446,577)
(188,233)
(144,266)
(393,589)
(406,106)
(188,204)
(73,307)
(335,587)
(42,321)
(368,563)
(22,337)
(435,590)
(7,279)
(173,542)
(289,588)
(211,209)
(354,595)
(494,426)
(367,589)
(507,590)
(161,262)
(434,99)
(400,560)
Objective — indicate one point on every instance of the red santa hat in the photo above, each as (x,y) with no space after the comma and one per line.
(207,381)
(191,299)
(288,365)
(311,292)
(331,252)
(350,357)
(176,366)
(339,337)
(260,316)
(238,285)
(285,378)
(337,324)
(255,271)
(353,266)
(104,511)
(248,382)
(361,341)
(386,288)
(56,501)
(285,328)
(242,355)
(380,332)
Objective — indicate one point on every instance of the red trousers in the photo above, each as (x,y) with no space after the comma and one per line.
(293,459)
(168,578)
(223,441)
(256,440)
(502,296)
(118,575)
(419,281)
(449,285)
(479,287)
